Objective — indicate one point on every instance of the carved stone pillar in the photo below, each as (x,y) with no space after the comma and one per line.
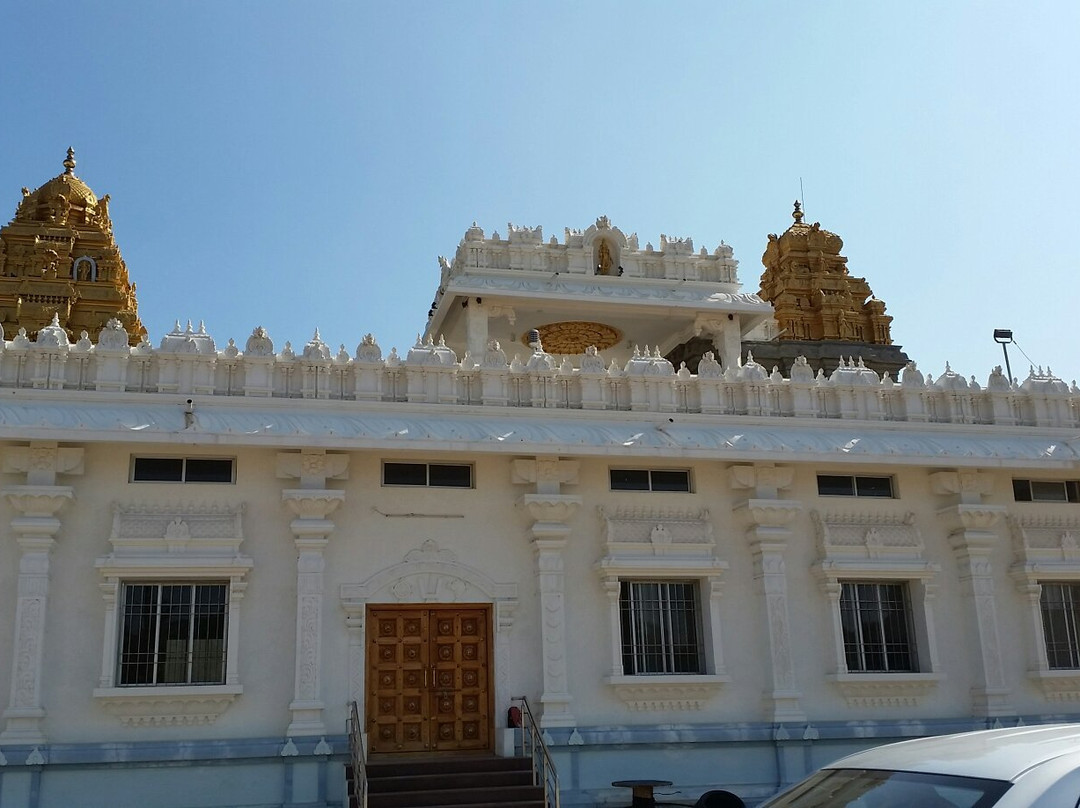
(768,535)
(973,541)
(550,512)
(35,527)
(311,505)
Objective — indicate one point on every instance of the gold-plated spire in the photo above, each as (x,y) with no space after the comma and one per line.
(797,214)
(69,162)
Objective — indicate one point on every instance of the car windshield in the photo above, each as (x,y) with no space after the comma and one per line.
(871,788)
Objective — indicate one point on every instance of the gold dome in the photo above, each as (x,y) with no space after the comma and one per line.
(63,200)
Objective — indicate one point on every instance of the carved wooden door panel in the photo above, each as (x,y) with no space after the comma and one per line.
(398,680)
(428,679)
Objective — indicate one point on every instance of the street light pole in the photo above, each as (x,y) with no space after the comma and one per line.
(1003,336)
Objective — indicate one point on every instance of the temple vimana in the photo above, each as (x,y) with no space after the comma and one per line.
(58,259)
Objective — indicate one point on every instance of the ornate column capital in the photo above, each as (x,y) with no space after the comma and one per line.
(550,510)
(771,513)
(314,504)
(39,501)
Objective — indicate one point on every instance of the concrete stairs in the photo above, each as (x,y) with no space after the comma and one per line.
(481,781)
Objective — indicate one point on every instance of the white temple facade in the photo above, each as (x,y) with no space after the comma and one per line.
(724,578)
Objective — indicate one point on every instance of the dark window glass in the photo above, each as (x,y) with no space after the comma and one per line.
(660,628)
(443,476)
(208,470)
(404,474)
(159,469)
(873,486)
(670,480)
(832,485)
(629,480)
(1046,490)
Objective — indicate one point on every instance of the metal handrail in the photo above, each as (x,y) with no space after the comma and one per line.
(358,786)
(533,746)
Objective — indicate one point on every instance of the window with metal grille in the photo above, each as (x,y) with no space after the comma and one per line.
(182,469)
(173,634)
(876,621)
(650,480)
(661,629)
(1060,606)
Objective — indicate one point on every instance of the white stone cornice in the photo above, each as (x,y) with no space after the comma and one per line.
(167,706)
(668,692)
(885,689)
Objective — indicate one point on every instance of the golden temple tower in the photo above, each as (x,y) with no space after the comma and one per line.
(807,281)
(822,312)
(58,257)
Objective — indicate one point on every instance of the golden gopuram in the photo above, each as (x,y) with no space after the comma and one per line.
(58,259)
(822,312)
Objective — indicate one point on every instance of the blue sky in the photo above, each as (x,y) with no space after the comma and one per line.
(295,165)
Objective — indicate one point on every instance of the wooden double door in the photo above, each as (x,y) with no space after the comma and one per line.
(429,678)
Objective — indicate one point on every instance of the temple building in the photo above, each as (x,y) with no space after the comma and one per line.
(224,570)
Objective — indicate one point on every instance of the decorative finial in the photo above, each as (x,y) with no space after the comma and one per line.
(797,214)
(69,161)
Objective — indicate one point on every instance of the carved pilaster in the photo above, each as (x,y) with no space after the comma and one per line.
(34,529)
(973,539)
(768,535)
(770,518)
(311,505)
(550,512)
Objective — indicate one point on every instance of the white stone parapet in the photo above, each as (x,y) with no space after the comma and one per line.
(432,373)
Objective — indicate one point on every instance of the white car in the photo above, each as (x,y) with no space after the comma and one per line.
(1005,768)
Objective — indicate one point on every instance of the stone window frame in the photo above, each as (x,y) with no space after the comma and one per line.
(644,544)
(1047,549)
(879,547)
(629,603)
(165,544)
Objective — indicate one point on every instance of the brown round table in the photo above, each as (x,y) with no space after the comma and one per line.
(642,791)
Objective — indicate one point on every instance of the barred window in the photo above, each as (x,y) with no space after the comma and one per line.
(173,634)
(876,623)
(1060,605)
(661,627)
